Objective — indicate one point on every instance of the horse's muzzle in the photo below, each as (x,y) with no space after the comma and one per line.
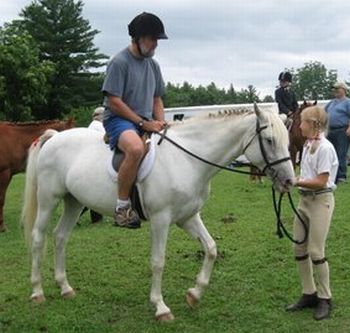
(286,185)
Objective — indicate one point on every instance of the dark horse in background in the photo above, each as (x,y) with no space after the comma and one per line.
(296,140)
(15,139)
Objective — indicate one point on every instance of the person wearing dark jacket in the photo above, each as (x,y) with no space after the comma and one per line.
(285,96)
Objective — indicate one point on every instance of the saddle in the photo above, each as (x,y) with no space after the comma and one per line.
(117,159)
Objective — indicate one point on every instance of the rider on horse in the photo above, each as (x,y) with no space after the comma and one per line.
(133,90)
(285,96)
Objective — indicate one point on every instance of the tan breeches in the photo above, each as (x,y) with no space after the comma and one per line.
(317,212)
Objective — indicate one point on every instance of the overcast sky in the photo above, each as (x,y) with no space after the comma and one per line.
(227,41)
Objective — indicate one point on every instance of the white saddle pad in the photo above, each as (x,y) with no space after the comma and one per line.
(145,167)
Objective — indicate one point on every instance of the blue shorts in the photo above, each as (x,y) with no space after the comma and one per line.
(115,126)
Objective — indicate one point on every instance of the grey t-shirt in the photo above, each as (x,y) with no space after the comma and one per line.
(135,81)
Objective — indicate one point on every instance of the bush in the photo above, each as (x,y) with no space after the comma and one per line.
(82,116)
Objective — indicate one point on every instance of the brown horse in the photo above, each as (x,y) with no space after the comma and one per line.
(15,139)
(296,140)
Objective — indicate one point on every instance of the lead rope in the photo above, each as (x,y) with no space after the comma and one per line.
(281,229)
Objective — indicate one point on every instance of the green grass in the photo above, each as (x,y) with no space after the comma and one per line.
(253,279)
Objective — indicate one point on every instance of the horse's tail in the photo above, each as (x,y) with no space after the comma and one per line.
(30,204)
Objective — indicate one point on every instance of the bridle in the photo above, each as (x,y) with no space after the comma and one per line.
(268,164)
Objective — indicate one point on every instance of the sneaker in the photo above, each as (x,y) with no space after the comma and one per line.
(305,301)
(126,217)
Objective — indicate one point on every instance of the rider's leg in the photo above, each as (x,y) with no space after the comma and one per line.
(131,144)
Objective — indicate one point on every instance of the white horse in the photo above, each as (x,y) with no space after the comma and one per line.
(71,166)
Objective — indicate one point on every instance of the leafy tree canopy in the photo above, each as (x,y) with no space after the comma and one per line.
(313,81)
(24,78)
(65,38)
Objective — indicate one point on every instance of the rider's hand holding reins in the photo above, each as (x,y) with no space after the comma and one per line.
(153,125)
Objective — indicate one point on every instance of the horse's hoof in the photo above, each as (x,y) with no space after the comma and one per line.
(68,294)
(165,317)
(2,228)
(37,299)
(191,300)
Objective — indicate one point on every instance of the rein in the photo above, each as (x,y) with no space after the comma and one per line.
(281,229)
(222,167)
(277,205)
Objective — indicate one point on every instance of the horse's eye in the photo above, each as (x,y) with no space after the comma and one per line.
(269,141)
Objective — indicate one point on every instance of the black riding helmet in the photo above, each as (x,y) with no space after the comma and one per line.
(285,76)
(147,24)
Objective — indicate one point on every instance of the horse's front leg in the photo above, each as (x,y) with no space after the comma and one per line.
(159,230)
(196,229)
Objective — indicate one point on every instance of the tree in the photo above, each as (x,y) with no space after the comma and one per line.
(268,99)
(187,95)
(65,38)
(23,78)
(231,95)
(177,96)
(313,81)
(253,95)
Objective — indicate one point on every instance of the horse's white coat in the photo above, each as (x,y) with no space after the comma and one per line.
(72,166)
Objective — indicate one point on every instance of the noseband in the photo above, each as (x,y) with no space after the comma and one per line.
(268,164)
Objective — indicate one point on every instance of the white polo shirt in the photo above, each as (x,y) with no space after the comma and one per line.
(323,160)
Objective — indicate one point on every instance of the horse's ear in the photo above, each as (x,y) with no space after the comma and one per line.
(315,103)
(256,110)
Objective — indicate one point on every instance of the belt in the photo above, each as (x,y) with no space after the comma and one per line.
(313,193)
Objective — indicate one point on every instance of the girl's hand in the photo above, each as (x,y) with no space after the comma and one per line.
(297,181)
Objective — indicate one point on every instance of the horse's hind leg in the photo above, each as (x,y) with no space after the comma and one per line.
(45,207)
(71,213)
(196,229)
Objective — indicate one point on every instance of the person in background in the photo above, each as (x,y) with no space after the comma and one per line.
(97,117)
(316,183)
(285,97)
(96,125)
(338,110)
(133,90)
